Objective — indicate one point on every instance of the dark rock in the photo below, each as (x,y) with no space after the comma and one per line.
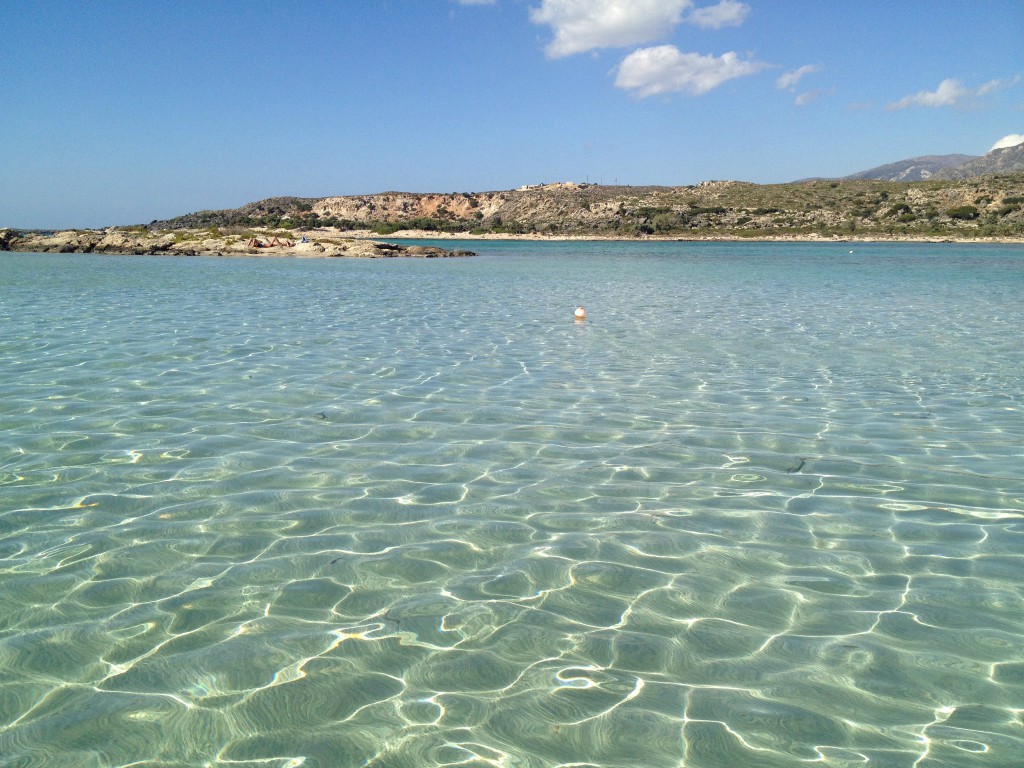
(7,238)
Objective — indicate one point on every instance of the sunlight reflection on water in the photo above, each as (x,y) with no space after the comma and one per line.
(763,506)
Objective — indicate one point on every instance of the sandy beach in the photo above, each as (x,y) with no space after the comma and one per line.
(420,234)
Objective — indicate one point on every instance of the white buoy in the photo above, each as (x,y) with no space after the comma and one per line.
(580,313)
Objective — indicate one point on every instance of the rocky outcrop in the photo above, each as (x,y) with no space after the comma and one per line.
(397,206)
(194,243)
(8,237)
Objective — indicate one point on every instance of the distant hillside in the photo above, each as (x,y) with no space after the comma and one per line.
(986,206)
(914,169)
(1005,160)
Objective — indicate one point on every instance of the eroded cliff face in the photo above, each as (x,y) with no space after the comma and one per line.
(563,204)
(399,206)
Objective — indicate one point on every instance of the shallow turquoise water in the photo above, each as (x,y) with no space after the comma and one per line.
(764,507)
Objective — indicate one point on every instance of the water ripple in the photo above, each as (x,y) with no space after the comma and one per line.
(760,509)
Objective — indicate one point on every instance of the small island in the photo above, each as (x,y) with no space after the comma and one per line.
(211,242)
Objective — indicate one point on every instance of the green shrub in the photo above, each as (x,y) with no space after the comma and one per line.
(666,222)
(963,212)
(649,212)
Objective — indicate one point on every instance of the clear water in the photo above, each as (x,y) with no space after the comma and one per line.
(765,507)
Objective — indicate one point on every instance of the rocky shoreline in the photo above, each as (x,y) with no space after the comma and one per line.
(331,243)
(205,243)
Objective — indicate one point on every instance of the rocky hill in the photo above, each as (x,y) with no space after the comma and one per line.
(914,169)
(1004,160)
(989,206)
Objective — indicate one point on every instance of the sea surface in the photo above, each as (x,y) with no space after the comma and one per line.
(764,507)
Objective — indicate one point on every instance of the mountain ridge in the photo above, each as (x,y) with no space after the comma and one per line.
(913,169)
(1001,160)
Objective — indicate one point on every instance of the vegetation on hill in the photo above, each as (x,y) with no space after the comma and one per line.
(986,206)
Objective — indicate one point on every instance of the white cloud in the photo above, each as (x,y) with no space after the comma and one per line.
(1009,141)
(788,80)
(582,25)
(806,98)
(727,13)
(666,69)
(990,86)
(952,93)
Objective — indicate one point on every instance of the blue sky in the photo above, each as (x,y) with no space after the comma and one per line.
(125,112)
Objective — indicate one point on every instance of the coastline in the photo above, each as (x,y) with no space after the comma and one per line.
(364,243)
(414,234)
